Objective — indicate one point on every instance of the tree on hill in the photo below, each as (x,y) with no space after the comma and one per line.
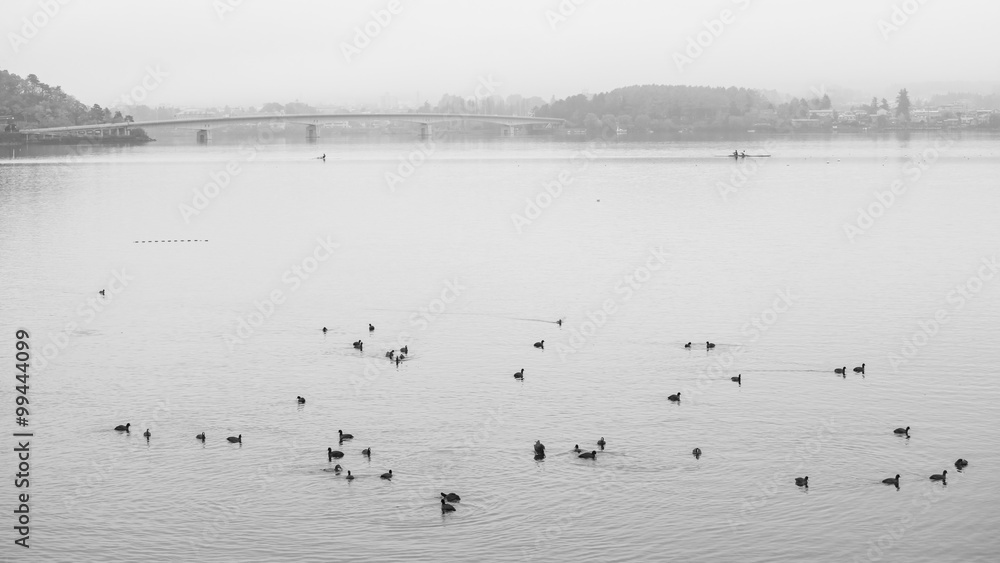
(903,105)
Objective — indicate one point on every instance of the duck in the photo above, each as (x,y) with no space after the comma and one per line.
(696,453)
(451,497)
(147,434)
(519,374)
(349,476)
(301,400)
(675,398)
(367,452)
(601,442)
(399,358)
(577,449)
(802,481)
(324,330)
(371,327)
(387,476)
(445,507)
(559,322)
(390,354)
(345,436)
(688,345)
(332,454)
(961,463)
(405,349)
(235,440)
(905,431)
(123,427)
(200,437)
(359,345)
(337,468)
(892,480)
(539,447)
(709,345)
(738,379)
(842,370)
(101,292)
(588,455)
(940,477)
(540,344)
(860,369)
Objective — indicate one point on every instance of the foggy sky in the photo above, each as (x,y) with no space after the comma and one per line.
(263,50)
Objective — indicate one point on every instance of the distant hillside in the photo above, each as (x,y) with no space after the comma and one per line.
(663,107)
(37,104)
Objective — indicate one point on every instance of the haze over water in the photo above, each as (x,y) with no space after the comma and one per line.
(765,270)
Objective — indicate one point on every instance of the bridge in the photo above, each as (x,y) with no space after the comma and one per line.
(312,121)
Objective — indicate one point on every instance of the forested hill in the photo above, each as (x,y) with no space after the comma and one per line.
(661,107)
(33,102)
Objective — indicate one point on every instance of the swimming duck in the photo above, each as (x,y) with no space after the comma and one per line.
(905,431)
(200,437)
(675,398)
(451,497)
(367,452)
(147,434)
(349,476)
(892,480)
(235,440)
(405,349)
(539,447)
(940,477)
(123,427)
(332,454)
(709,345)
(842,370)
(519,374)
(738,379)
(588,455)
(371,327)
(802,481)
(860,369)
(387,476)
(540,344)
(301,400)
(696,453)
(337,468)
(345,436)
(961,463)
(688,345)
(445,507)
(601,442)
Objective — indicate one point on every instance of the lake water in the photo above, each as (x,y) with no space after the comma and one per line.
(641,248)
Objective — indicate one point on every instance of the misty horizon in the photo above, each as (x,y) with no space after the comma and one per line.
(325,55)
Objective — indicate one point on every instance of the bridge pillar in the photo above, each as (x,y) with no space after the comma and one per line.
(204,136)
(425,131)
(506,130)
(312,132)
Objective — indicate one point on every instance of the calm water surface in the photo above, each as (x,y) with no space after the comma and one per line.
(642,249)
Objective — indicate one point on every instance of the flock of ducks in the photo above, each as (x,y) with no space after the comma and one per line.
(539,447)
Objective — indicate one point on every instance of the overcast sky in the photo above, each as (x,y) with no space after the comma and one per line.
(217,52)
